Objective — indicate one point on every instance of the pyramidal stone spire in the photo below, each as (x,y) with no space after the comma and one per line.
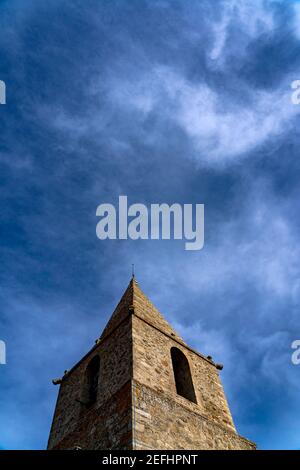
(142,387)
(134,301)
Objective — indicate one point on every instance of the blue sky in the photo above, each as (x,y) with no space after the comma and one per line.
(164,101)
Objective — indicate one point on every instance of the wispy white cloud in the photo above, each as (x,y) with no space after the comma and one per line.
(221,131)
(252,19)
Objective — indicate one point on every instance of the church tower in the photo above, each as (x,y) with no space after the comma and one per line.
(142,387)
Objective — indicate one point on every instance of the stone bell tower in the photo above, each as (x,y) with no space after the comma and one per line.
(142,387)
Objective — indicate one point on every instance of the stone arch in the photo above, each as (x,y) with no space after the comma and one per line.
(182,375)
(92,380)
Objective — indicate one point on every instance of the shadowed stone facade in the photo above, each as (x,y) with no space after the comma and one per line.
(142,387)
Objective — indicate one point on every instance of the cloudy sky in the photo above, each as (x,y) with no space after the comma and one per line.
(183,101)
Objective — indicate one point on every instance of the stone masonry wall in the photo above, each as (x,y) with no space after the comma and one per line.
(115,372)
(152,366)
(105,427)
(160,422)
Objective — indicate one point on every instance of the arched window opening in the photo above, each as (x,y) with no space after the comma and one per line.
(182,375)
(92,379)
